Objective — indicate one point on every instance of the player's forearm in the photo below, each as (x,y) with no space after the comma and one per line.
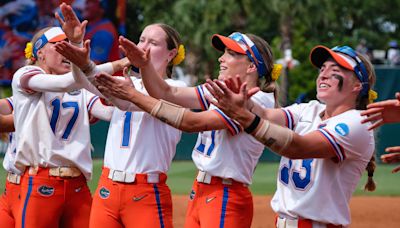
(155,85)
(7,123)
(118,65)
(53,83)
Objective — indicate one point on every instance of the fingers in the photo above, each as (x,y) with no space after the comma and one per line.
(252,91)
(390,158)
(393,149)
(395,170)
(213,89)
(397,95)
(376,125)
(382,104)
(59,19)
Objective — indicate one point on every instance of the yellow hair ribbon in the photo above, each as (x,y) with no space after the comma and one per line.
(372,95)
(29,50)
(180,56)
(276,71)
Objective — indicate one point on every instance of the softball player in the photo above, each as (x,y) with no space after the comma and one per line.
(52,136)
(9,201)
(324,147)
(132,190)
(225,157)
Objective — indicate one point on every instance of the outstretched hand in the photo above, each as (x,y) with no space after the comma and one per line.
(392,157)
(382,112)
(114,86)
(138,57)
(78,56)
(72,27)
(231,97)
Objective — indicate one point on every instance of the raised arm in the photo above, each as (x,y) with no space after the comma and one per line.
(154,83)
(172,114)
(269,125)
(383,112)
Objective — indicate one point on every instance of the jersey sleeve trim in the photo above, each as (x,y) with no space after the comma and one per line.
(337,148)
(233,127)
(91,102)
(202,98)
(25,77)
(10,103)
(289,119)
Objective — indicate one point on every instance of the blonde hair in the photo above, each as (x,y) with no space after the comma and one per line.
(266,83)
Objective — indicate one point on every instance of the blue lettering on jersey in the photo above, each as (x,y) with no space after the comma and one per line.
(342,129)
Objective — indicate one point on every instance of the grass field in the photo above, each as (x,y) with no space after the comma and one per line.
(182,173)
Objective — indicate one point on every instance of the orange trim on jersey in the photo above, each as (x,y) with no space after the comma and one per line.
(336,158)
(25,77)
(230,128)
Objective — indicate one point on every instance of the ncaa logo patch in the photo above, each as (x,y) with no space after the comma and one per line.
(104,193)
(342,129)
(45,190)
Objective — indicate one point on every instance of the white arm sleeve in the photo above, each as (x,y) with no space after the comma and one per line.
(53,83)
(102,112)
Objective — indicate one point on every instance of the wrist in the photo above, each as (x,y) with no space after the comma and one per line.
(253,125)
(88,68)
(76,43)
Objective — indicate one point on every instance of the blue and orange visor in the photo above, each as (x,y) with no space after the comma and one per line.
(52,35)
(242,44)
(346,57)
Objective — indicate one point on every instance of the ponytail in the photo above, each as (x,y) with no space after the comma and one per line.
(370,185)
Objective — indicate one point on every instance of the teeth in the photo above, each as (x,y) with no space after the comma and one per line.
(323,85)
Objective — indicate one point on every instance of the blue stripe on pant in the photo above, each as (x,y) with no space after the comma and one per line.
(28,194)
(223,209)
(158,205)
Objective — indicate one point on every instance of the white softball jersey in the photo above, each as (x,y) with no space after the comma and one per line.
(9,158)
(138,142)
(228,153)
(320,189)
(51,128)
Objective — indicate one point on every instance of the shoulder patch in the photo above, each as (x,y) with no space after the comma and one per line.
(342,129)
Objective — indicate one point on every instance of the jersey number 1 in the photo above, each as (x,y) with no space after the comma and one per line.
(56,113)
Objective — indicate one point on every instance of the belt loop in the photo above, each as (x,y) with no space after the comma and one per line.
(33,170)
(203,177)
(153,178)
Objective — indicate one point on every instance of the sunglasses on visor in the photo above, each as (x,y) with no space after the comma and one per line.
(359,69)
(251,51)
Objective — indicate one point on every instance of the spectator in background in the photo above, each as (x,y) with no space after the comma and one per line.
(18,20)
(101,31)
(393,53)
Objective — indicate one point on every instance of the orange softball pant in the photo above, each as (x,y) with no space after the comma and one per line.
(138,204)
(9,205)
(219,205)
(48,201)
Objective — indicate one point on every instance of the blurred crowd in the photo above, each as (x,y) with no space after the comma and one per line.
(20,19)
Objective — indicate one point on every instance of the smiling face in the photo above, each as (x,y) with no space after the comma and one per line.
(232,64)
(336,85)
(154,38)
(52,61)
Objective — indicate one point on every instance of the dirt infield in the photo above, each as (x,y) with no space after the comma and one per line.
(367,212)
